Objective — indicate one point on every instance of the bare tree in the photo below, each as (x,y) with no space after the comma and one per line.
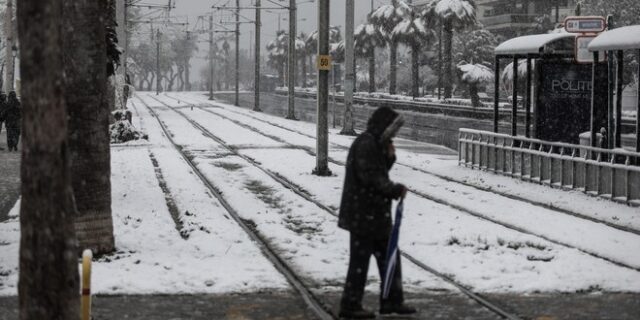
(85,55)
(48,282)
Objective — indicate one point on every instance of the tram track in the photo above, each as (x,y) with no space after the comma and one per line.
(491,306)
(311,300)
(421,194)
(539,204)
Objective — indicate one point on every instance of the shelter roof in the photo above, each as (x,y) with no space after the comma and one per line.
(532,44)
(622,38)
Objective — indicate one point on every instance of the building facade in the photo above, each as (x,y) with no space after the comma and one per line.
(512,18)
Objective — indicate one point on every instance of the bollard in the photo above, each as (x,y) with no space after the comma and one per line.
(86,285)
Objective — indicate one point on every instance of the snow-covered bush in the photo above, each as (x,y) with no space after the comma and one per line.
(122,130)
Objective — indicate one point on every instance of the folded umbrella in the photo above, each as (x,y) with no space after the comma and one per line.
(392,251)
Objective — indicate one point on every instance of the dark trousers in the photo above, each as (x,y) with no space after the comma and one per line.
(13,137)
(361,248)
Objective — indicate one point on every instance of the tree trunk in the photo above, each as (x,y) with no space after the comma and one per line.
(88,106)
(187,83)
(150,84)
(304,71)
(393,60)
(448,75)
(415,71)
(372,70)
(48,280)
(473,92)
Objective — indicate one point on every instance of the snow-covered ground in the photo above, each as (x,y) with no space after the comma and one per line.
(186,242)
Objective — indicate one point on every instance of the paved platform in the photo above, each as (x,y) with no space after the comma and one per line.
(287,306)
(9,176)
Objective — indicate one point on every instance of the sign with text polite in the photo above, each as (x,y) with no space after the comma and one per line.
(324,62)
(585,24)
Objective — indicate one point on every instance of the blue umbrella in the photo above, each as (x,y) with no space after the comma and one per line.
(392,251)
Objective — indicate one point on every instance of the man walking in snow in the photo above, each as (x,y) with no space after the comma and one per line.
(365,211)
(12,116)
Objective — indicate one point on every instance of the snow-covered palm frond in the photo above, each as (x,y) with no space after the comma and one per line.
(367,37)
(459,12)
(507,74)
(337,51)
(388,16)
(475,73)
(312,41)
(412,31)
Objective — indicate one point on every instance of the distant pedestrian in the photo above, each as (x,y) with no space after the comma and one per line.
(12,118)
(3,106)
(365,211)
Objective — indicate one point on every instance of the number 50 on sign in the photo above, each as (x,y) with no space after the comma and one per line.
(324,62)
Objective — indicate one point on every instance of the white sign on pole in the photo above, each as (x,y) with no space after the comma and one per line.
(585,24)
(583,55)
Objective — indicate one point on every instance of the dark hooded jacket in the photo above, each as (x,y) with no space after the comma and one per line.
(12,114)
(366,198)
(3,107)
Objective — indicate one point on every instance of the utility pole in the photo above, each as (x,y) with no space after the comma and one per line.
(9,48)
(349,77)
(322,133)
(237,53)
(256,84)
(120,31)
(158,78)
(187,84)
(291,62)
(211,57)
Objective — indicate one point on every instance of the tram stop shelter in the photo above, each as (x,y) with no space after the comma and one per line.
(617,40)
(563,87)
(565,96)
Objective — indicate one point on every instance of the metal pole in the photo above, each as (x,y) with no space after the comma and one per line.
(256,84)
(322,139)
(440,63)
(594,80)
(610,88)
(496,95)
(126,36)
(638,109)
(527,102)
(9,31)
(237,100)
(514,108)
(187,84)
(291,61)
(211,57)
(619,80)
(158,80)
(349,77)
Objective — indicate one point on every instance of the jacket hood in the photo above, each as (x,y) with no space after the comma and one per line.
(384,123)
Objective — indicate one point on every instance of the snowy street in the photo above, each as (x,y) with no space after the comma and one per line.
(490,234)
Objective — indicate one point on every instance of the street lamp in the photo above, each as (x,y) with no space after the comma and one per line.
(14,52)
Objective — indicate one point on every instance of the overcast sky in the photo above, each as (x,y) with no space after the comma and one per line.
(307,18)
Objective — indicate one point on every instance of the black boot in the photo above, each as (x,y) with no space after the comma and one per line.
(401,309)
(356,313)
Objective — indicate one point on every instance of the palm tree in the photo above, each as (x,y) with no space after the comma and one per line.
(457,14)
(48,278)
(366,38)
(387,17)
(301,48)
(277,54)
(474,75)
(226,47)
(414,33)
(87,67)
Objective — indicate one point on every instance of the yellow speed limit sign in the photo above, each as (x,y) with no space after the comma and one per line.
(324,62)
